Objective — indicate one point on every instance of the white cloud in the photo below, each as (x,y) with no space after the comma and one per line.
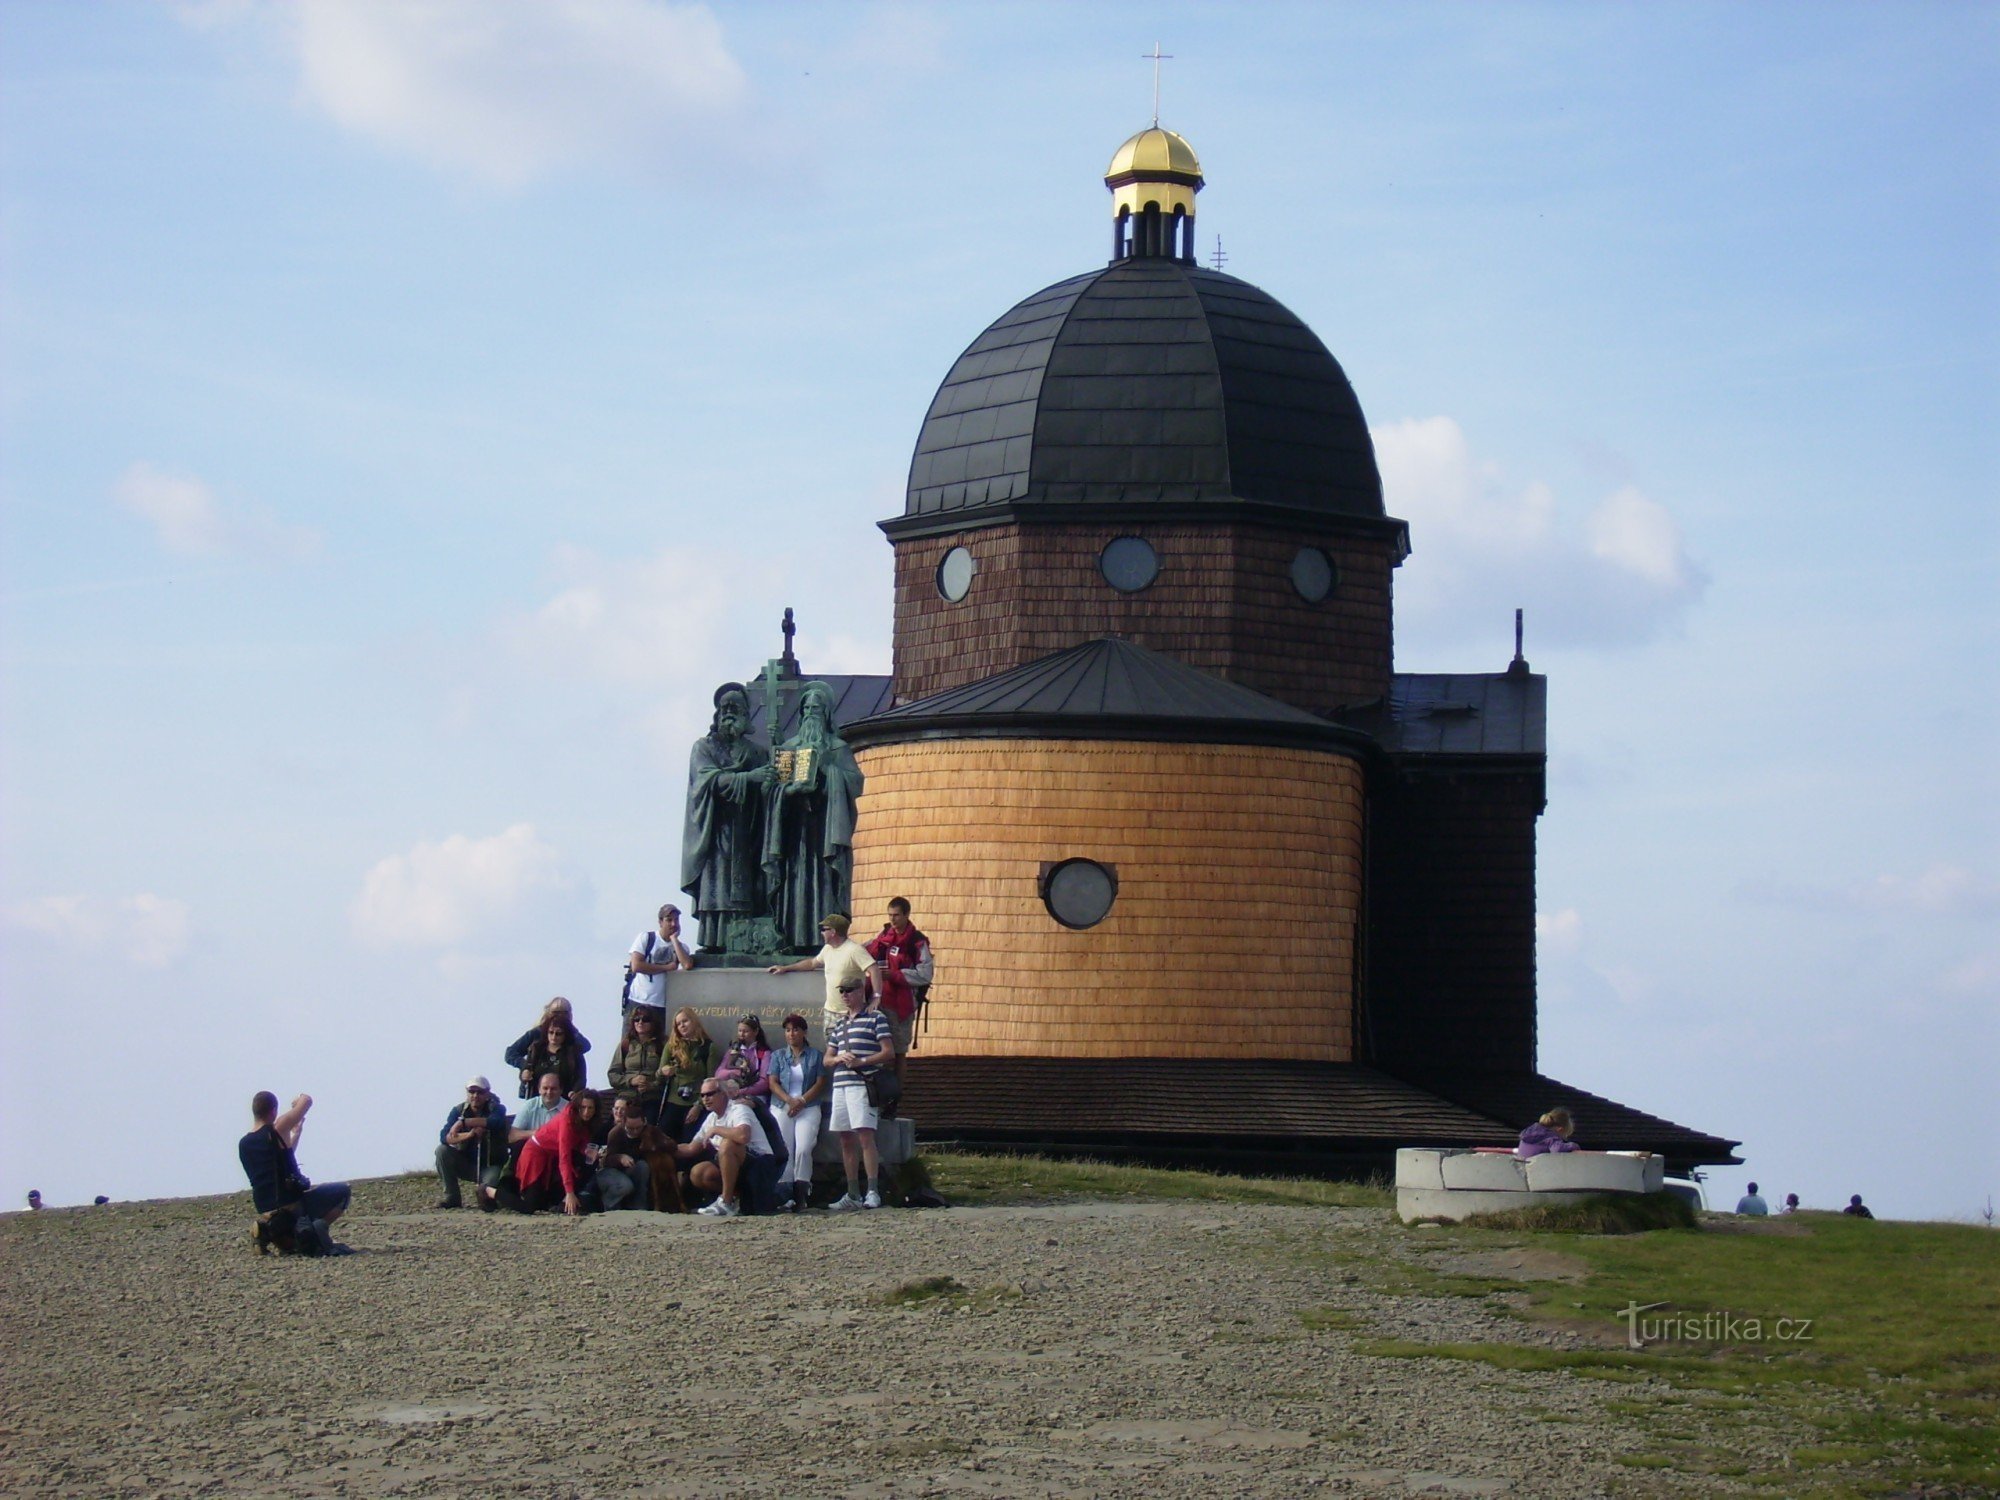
(189,521)
(463,890)
(1481,546)
(623,620)
(1943,890)
(145,930)
(1559,931)
(509,91)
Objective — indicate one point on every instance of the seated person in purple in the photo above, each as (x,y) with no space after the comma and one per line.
(1550,1133)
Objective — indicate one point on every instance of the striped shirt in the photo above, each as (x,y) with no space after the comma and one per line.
(863,1035)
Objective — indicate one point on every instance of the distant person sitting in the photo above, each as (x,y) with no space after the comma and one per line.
(554,1164)
(1791,1203)
(292,1213)
(625,1168)
(690,1059)
(533,1043)
(472,1147)
(1750,1203)
(840,958)
(744,1066)
(556,1047)
(723,1150)
(1549,1134)
(34,1200)
(538,1111)
(1856,1208)
(653,956)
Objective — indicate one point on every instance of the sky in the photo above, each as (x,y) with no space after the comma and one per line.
(409,413)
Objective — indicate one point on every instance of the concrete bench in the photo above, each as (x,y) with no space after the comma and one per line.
(1449,1183)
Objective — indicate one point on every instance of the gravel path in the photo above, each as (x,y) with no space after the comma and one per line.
(1082,1349)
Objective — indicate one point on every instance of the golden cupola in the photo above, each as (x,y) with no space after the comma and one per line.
(1153,178)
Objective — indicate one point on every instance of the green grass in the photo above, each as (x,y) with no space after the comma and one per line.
(968,1179)
(1614,1213)
(1900,1368)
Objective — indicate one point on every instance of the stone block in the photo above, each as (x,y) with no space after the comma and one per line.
(1448,1203)
(1418,1167)
(1480,1171)
(1595,1172)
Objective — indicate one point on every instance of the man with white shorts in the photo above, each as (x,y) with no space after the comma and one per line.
(859,1047)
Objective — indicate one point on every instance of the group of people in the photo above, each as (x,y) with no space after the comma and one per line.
(1753,1203)
(678,1122)
(1552,1133)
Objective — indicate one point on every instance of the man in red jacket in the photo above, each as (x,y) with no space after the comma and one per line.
(552,1162)
(905,956)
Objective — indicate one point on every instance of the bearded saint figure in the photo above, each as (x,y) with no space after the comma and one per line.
(809,823)
(724,836)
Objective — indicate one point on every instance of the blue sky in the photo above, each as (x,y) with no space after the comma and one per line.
(411,412)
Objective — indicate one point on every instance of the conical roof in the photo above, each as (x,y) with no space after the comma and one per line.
(1106,689)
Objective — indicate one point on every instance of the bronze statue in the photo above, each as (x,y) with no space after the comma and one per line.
(723,841)
(810,791)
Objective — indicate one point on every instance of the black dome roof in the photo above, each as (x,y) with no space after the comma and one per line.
(1150,381)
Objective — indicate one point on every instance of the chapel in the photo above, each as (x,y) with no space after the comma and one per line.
(1208,877)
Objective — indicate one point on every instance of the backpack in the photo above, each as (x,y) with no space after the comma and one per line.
(632,973)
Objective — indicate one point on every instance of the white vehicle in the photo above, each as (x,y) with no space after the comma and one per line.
(1688,1190)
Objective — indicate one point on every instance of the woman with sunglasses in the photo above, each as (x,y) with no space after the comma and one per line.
(551,1045)
(635,1068)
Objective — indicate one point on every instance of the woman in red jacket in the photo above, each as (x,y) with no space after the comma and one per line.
(553,1163)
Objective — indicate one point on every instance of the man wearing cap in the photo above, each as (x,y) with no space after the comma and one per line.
(857,1049)
(472,1147)
(841,959)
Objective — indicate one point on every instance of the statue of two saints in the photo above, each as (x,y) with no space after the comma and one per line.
(769,843)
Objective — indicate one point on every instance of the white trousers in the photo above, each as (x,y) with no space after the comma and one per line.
(801,1133)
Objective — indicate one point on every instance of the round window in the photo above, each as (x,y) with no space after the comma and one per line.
(1079,892)
(1129,563)
(1312,574)
(954,574)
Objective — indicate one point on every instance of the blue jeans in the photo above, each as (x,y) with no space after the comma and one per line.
(325,1200)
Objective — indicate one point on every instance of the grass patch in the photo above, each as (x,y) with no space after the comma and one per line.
(975,1179)
(1899,1363)
(923,1289)
(1614,1213)
(1318,1319)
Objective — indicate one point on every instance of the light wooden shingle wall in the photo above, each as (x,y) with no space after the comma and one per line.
(1239,882)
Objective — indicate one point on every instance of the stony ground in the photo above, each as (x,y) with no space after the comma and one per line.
(1079,1350)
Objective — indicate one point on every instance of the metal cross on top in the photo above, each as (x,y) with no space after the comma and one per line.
(1158,57)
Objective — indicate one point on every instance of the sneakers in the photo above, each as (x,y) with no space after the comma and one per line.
(873,1200)
(847,1203)
(721,1208)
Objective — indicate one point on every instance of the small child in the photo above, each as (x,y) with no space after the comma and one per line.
(1550,1133)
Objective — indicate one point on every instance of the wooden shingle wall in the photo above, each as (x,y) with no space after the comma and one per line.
(1239,883)
(1223,602)
(1451,922)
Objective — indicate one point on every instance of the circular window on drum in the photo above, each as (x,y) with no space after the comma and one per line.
(954,574)
(1129,563)
(1079,892)
(1313,575)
